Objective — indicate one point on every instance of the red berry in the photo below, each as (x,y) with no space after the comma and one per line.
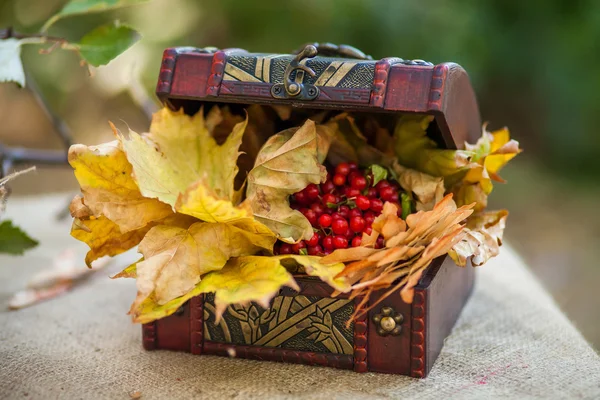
(336,215)
(356,241)
(340,242)
(386,193)
(313,241)
(295,206)
(326,252)
(395,186)
(351,192)
(318,208)
(300,198)
(353,166)
(285,248)
(379,243)
(369,217)
(311,216)
(381,184)
(344,211)
(353,174)
(296,247)
(376,205)
(355,212)
(363,202)
(327,243)
(368,230)
(329,200)
(325,220)
(371,193)
(321,235)
(349,234)
(357,224)
(359,182)
(314,250)
(339,179)
(394,198)
(276,247)
(327,187)
(339,226)
(312,191)
(342,169)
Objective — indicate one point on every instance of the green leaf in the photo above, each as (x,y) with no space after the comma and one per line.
(13,240)
(379,173)
(11,68)
(106,42)
(406,205)
(75,7)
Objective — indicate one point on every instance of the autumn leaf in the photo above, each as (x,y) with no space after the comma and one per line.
(106,181)
(349,143)
(104,237)
(491,152)
(427,190)
(482,240)
(129,272)
(176,258)
(286,164)
(200,202)
(313,266)
(242,280)
(414,149)
(181,164)
(409,247)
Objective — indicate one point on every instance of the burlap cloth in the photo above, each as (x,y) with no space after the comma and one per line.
(511,341)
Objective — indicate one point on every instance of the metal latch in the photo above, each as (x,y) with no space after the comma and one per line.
(295,89)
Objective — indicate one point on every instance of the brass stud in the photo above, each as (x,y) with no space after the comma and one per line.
(388,322)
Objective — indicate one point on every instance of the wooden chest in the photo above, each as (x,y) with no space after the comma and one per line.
(309,326)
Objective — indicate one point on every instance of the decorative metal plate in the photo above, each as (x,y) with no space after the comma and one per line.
(304,323)
(329,72)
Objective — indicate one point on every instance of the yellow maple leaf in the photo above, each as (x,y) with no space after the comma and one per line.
(326,272)
(242,280)
(491,152)
(129,272)
(286,164)
(175,258)
(104,237)
(415,149)
(181,164)
(104,175)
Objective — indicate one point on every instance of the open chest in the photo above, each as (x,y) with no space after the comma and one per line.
(309,326)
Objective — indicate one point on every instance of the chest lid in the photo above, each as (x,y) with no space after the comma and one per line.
(324,76)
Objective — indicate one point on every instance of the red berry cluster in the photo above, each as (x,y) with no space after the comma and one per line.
(340,210)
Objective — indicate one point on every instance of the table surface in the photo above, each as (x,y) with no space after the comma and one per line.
(510,341)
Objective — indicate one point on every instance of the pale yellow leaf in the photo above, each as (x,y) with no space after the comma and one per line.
(241,281)
(286,164)
(176,258)
(105,177)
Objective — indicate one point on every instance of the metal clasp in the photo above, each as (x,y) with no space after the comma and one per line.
(295,88)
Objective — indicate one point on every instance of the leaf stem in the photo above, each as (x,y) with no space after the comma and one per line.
(9,33)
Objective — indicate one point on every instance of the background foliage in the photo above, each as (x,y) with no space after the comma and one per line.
(534,65)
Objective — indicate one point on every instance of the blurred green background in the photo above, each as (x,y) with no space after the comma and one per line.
(534,66)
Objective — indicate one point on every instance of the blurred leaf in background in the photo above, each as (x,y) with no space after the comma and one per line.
(105,42)
(75,7)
